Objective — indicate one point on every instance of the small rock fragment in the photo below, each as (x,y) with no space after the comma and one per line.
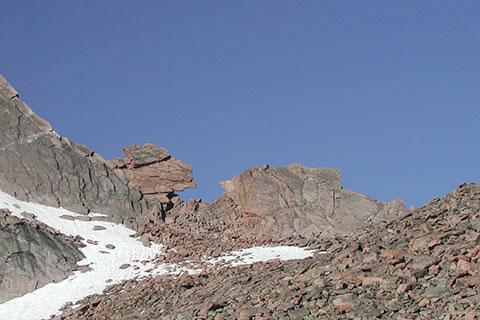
(393,256)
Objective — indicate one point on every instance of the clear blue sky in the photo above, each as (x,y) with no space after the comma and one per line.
(385,91)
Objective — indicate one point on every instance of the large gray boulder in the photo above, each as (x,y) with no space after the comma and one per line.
(38,165)
(31,256)
(297,200)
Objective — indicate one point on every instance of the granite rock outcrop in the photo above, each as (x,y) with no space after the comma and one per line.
(268,206)
(375,260)
(32,255)
(297,200)
(155,173)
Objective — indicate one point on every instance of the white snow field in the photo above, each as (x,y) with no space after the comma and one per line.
(105,263)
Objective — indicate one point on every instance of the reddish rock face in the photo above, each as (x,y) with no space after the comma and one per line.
(297,200)
(139,156)
(154,172)
(393,256)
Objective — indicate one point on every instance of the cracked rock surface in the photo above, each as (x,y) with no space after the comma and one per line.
(297,200)
(285,205)
(32,255)
(155,173)
(270,205)
(38,165)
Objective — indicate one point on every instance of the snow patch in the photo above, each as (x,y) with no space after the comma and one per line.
(105,262)
(260,254)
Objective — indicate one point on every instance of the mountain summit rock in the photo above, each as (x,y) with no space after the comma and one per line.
(297,200)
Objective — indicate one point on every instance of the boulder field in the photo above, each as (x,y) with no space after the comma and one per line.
(424,264)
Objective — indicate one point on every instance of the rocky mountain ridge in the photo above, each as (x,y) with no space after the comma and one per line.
(280,202)
(382,260)
(36,164)
(260,205)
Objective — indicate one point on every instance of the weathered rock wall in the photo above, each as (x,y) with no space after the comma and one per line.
(263,205)
(154,172)
(31,256)
(297,200)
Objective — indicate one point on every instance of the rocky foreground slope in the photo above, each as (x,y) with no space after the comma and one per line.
(423,265)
